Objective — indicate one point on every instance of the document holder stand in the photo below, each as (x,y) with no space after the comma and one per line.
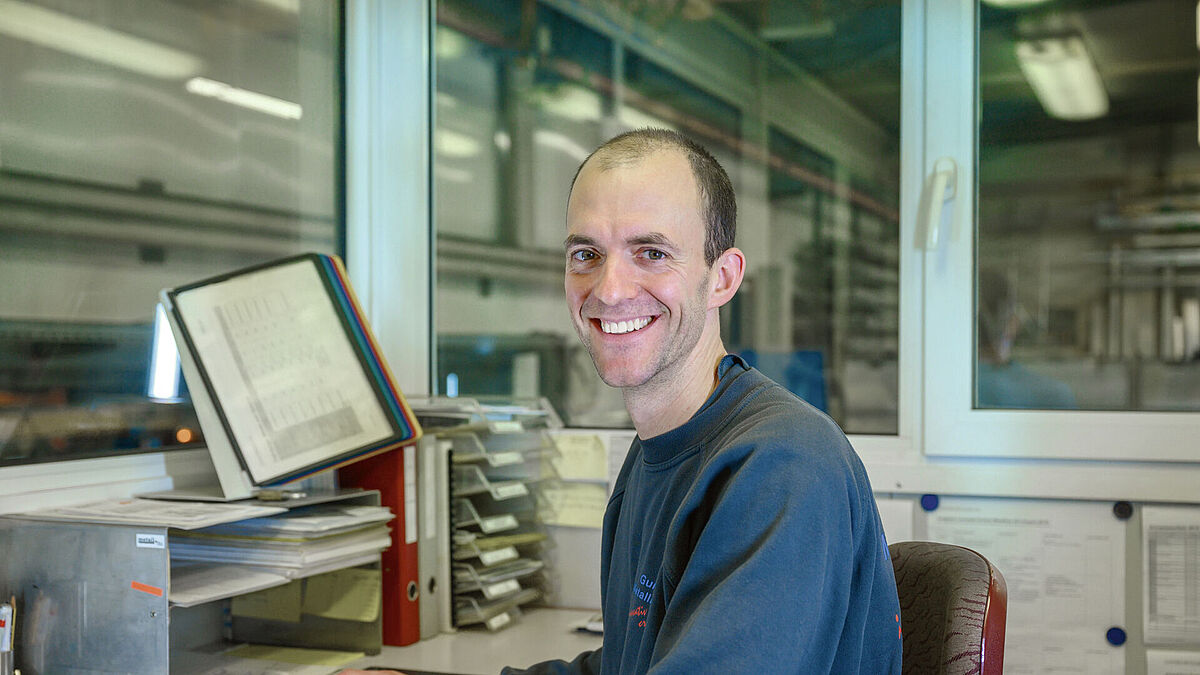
(285,375)
(229,481)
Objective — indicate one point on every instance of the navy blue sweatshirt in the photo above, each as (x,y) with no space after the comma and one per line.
(745,541)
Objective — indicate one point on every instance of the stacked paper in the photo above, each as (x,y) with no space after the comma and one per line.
(306,523)
(298,543)
(134,511)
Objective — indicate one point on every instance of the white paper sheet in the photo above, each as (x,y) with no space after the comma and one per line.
(1172,662)
(1171,575)
(288,379)
(196,584)
(897,518)
(1064,565)
(308,522)
(576,505)
(582,456)
(183,515)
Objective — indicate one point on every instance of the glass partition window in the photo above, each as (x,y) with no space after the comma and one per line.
(801,105)
(145,144)
(1088,258)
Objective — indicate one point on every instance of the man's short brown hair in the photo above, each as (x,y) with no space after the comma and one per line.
(717,200)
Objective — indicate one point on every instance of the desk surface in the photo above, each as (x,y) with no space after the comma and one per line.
(540,635)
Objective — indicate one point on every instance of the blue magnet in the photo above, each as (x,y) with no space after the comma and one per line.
(929,502)
(1115,636)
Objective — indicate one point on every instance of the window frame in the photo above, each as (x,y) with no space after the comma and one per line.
(954,427)
(389,207)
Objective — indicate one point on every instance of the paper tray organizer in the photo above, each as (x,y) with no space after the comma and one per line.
(490,550)
(495,447)
(500,456)
(493,581)
(493,615)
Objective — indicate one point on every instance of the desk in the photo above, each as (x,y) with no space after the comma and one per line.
(540,635)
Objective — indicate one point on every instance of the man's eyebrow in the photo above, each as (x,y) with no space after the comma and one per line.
(651,238)
(578,240)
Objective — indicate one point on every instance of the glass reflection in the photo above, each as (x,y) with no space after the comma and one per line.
(1088,256)
(145,144)
(801,108)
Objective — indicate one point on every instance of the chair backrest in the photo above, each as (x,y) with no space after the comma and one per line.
(953,604)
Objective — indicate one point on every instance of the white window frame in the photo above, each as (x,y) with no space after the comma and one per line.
(904,447)
(1140,441)
(389,247)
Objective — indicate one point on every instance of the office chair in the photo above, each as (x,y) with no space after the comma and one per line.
(952,609)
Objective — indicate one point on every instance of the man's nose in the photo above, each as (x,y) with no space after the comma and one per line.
(617,282)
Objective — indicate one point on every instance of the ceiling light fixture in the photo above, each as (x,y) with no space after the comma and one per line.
(454,144)
(449,44)
(48,28)
(1064,77)
(572,102)
(635,119)
(253,100)
(290,6)
(1012,4)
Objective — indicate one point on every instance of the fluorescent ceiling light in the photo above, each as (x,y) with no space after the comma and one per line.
(1064,77)
(65,33)
(247,99)
(636,119)
(452,175)
(572,102)
(291,6)
(450,143)
(1012,4)
(503,140)
(448,44)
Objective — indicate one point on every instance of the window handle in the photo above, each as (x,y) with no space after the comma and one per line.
(940,187)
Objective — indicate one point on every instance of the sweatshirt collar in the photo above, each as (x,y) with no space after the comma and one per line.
(666,445)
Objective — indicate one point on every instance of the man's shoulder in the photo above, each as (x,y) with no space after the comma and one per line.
(772,434)
(768,410)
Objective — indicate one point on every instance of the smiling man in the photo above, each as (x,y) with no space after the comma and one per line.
(742,534)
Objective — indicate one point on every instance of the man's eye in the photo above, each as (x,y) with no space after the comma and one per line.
(583,255)
(654,254)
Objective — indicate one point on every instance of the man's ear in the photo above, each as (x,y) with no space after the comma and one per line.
(726,277)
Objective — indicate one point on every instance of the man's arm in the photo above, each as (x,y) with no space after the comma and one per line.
(587,663)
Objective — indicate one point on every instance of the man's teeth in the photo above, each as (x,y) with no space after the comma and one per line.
(618,327)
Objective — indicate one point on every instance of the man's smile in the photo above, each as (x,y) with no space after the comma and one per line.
(623,326)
